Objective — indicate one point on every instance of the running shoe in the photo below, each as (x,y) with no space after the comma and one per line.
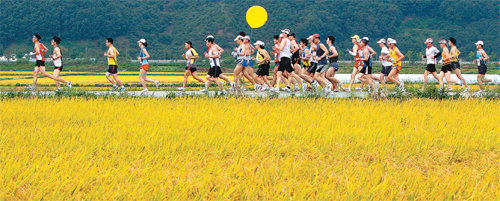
(340,84)
(122,89)
(304,88)
(69,84)
(157,84)
(466,89)
(203,90)
(114,88)
(181,89)
(145,90)
(315,85)
(58,89)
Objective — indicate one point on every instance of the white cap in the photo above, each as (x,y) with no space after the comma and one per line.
(238,38)
(142,40)
(381,41)
(442,41)
(392,41)
(479,42)
(429,40)
(282,35)
(310,37)
(246,37)
(259,43)
(210,37)
(287,31)
(366,38)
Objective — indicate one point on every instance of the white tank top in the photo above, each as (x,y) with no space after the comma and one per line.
(248,54)
(58,61)
(312,55)
(240,49)
(285,52)
(213,61)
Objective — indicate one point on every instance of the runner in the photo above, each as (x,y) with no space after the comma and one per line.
(296,60)
(215,71)
(248,64)
(58,64)
(354,52)
(366,69)
(262,60)
(321,54)
(191,55)
(111,55)
(143,71)
(431,53)
(285,60)
(39,53)
(276,53)
(333,57)
(446,68)
(481,58)
(396,58)
(455,64)
(242,52)
(386,62)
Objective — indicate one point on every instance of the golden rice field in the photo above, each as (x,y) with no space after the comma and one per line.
(248,149)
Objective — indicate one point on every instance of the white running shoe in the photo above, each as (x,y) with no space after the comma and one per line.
(256,87)
(277,89)
(358,88)
(181,89)
(466,89)
(157,84)
(69,84)
(449,88)
(122,89)
(329,86)
(347,89)
(58,89)
(315,85)
(206,85)
(145,90)
(402,84)
(340,84)
(304,88)
(204,90)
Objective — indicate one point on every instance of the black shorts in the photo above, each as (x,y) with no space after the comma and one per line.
(455,65)
(296,60)
(366,70)
(312,68)
(285,65)
(192,69)
(431,68)
(445,68)
(386,70)
(214,71)
(60,68)
(263,70)
(39,63)
(113,69)
(482,69)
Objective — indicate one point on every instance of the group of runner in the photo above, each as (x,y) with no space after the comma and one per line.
(306,65)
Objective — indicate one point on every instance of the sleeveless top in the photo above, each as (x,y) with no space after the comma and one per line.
(58,61)
(141,54)
(213,61)
(285,52)
(333,59)
(320,52)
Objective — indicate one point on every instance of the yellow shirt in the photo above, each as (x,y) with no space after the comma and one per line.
(394,56)
(191,52)
(112,61)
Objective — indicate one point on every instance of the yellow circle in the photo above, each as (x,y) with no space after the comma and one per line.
(256,16)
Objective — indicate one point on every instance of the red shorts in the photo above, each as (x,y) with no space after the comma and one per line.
(356,63)
(145,67)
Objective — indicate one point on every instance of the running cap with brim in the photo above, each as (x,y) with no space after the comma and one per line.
(355,37)
(282,35)
(287,31)
(429,40)
(142,40)
(209,37)
(238,38)
(479,42)
(246,37)
(259,43)
(314,36)
(392,41)
(310,37)
(366,38)
(442,41)
(381,41)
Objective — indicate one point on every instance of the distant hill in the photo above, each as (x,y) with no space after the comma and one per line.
(84,25)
